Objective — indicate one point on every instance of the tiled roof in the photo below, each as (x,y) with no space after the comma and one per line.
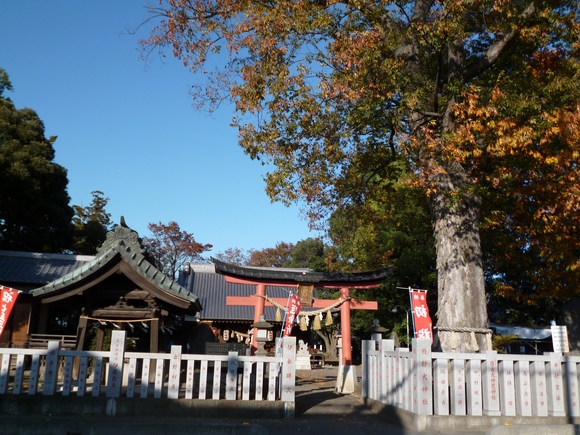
(124,242)
(212,289)
(27,270)
(284,275)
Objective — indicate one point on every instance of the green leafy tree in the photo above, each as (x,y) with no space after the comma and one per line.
(92,223)
(171,247)
(480,97)
(309,253)
(34,204)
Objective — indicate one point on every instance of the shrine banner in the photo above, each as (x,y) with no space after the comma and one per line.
(421,318)
(7,299)
(293,309)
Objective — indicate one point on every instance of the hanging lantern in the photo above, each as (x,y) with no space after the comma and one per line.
(226,334)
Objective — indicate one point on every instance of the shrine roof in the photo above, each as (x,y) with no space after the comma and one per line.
(28,270)
(288,275)
(212,289)
(123,243)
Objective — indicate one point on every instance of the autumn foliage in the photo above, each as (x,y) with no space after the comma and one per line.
(476,103)
(171,247)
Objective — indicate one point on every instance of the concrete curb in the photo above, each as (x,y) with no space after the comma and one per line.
(536,429)
(454,423)
(108,426)
(53,406)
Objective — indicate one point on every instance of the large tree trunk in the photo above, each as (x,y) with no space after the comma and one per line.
(330,343)
(461,288)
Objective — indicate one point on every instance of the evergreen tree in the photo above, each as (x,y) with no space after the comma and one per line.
(34,204)
(91,224)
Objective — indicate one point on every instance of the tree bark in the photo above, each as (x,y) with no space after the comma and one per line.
(330,343)
(461,288)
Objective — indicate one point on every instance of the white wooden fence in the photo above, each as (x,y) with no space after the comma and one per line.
(173,375)
(476,384)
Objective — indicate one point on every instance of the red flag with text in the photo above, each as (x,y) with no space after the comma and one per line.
(7,299)
(421,317)
(294,305)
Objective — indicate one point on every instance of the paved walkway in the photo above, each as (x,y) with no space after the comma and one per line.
(320,410)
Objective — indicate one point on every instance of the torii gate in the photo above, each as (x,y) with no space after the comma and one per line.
(262,277)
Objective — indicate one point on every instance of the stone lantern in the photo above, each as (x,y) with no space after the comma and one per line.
(263,334)
(376,331)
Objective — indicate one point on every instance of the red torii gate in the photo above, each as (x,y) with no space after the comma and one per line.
(262,277)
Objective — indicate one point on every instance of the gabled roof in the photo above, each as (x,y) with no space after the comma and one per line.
(122,251)
(28,270)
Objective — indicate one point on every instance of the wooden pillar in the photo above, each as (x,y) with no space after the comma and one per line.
(345,327)
(42,319)
(81,332)
(100,338)
(153,347)
(258,310)
(154,336)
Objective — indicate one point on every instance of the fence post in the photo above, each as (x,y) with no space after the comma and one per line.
(384,346)
(524,387)
(555,386)
(174,372)
(474,401)
(508,392)
(116,358)
(366,344)
(423,391)
(457,379)
(539,391)
(441,385)
(288,383)
(571,373)
(490,384)
(51,370)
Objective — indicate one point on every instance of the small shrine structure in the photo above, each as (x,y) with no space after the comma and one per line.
(119,287)
(305,281)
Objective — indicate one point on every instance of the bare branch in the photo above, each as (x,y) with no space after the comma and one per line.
(495,51)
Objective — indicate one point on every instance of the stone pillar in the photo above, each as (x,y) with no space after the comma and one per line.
(508,392)
(51,369)
(116,363)
(457,377)
(491,385)
(474,393)
(441,386)
(524,387)
(539,390)
(555,386)
(423,387)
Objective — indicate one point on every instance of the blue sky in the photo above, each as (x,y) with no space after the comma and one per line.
(129,129)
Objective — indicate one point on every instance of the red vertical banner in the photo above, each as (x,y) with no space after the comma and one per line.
(293,309)
(7,300)
(421,317)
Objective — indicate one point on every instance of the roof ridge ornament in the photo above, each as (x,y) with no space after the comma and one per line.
(122,235)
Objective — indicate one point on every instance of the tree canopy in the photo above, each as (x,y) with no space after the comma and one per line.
(171,247)
(91,224)
(479,99)
(34,204)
